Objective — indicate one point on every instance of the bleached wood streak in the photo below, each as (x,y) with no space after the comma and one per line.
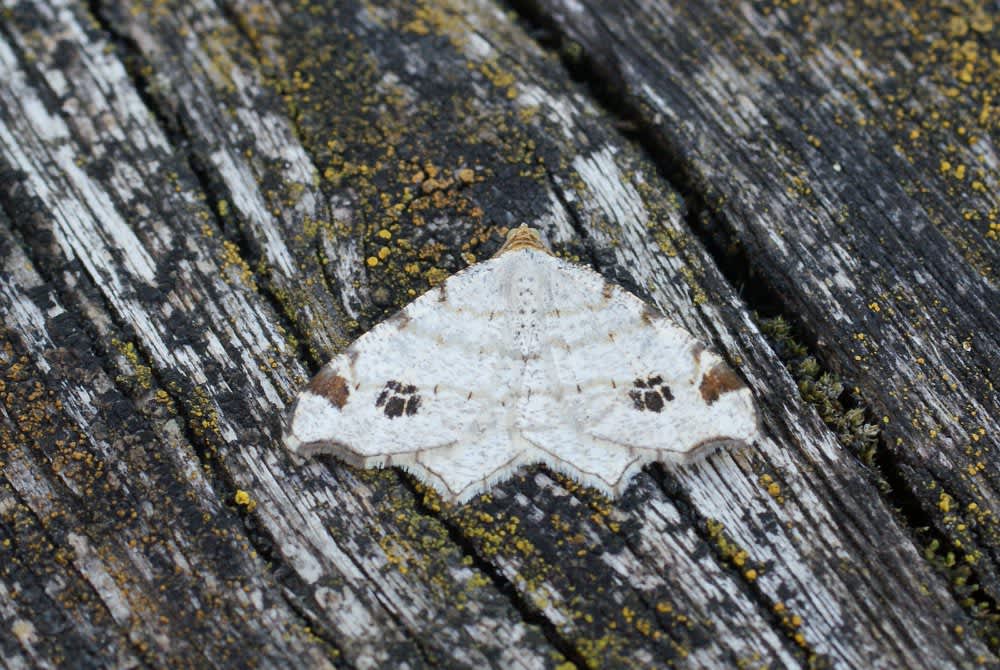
(247,140)
(890,266)
(127,581)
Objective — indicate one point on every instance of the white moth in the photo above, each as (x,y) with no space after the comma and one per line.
(523,358)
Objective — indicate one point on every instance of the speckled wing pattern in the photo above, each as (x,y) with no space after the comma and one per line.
(520,359)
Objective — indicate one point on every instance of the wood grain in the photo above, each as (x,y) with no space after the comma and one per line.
(200,203)
(848,154)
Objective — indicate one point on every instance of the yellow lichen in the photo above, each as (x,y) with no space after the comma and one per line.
(944,502)
(435,276)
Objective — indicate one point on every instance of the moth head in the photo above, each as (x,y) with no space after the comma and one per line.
(522,237)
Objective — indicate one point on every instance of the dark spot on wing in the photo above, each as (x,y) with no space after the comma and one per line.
(607,290)
(650,394)
(412,405)
(331,386)
(394,407)
(397,399)
(720,379)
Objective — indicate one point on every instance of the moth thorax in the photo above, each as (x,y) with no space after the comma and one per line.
(526,290)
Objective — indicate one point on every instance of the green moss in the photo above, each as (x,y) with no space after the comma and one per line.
(824,391)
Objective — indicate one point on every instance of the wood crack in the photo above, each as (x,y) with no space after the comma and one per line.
(215,192)
(714,231)
(780,617)
(529,614)
(161,380)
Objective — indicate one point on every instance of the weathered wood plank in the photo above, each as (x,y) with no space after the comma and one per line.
(859,176)
(604,180)
(343,70)
(112,493)
(732,609)
(389,104)
(372,574)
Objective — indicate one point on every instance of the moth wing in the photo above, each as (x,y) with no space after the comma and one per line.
(634,387)
(425,390)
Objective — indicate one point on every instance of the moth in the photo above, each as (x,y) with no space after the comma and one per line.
(522,358)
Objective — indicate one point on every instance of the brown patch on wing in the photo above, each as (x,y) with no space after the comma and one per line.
(331,386)
(720,379)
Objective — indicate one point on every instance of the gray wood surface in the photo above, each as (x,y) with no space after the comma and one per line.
(200,202)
